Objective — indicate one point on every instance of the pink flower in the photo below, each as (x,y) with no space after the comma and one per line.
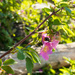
(47,46)
(22,11)
(10,74)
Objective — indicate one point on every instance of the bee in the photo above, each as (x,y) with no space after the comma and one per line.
(47,39)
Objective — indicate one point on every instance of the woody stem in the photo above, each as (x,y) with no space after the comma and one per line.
(21,41)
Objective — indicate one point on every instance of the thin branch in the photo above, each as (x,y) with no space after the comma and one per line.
(20,42)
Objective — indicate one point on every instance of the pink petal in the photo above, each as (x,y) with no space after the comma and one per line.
(10,74)
(49,52)
(44,55)
(55,43)
(46,50)
(49,44)
(22,11)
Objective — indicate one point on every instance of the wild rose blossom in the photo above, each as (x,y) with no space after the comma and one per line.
(47,46)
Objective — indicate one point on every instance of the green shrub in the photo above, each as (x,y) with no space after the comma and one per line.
(8,17)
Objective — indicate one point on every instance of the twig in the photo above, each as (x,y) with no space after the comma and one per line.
(20,42)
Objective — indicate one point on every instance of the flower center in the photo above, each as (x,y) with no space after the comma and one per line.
(45,49)
(46,39)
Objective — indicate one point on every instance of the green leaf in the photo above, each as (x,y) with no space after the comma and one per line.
(0,62)
(31,49)
(53,50)
(8,69)
(29,65)
(47,9)
(26,32)
(1,14)
(20,55)
(9,62)
(68,10)
(28,54)
(63,4)
(69,31)
(67,59)
(35,35)
(56,22)
(53,71)
(29,28)
(36,57)
(55,1)
(64,30)
(39,1)
(19,47)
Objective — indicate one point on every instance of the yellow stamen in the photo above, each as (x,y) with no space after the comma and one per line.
(45,49)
